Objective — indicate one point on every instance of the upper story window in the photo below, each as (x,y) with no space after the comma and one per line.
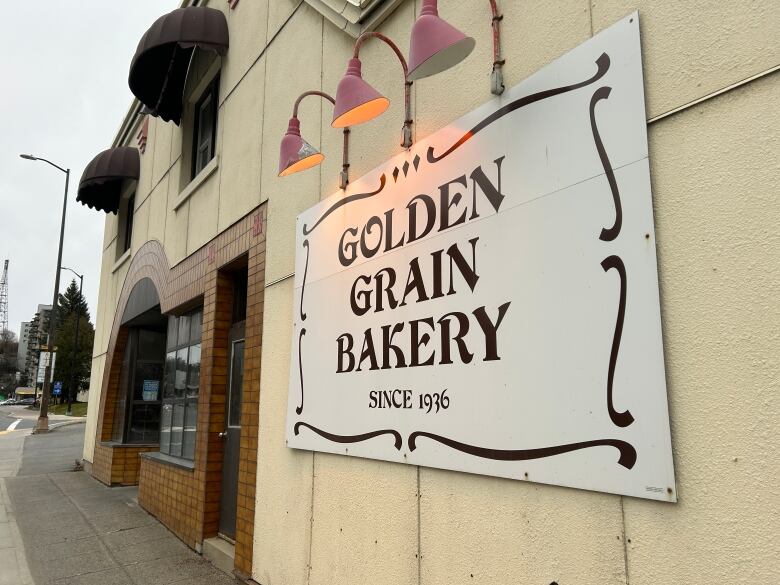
(205,128)
(199,124)
(129,214)
(125,228)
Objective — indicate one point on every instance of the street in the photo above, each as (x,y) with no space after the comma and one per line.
(19,418)
(60,526)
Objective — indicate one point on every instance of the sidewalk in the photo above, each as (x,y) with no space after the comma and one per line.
(13,563)
(75,531)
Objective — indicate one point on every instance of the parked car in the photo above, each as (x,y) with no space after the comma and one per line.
(26,401)
(8,402)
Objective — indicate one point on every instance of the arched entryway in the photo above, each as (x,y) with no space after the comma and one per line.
(137,410)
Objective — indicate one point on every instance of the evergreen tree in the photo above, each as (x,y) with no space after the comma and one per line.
(73,306)
(8,348)
(72,300)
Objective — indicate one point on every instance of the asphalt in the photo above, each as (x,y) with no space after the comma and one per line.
(20,418)
(10,421)
(62,527)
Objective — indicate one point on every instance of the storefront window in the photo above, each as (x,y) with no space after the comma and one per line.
(181,387)
(137,418)
(125,380)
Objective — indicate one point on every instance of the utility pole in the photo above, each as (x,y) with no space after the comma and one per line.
(42,425)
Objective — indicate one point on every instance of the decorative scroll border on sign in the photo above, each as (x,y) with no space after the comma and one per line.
(350,438)
(603,63)
(628,454)
(607,234)
(346,200)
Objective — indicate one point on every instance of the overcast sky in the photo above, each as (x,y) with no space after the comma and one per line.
(64,66)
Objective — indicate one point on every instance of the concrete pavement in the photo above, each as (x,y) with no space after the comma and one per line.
(64,528)
(13,560)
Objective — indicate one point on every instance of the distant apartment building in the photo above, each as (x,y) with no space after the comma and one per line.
(36,337)
(24,338)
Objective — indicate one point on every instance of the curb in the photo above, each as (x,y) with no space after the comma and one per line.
(67,423)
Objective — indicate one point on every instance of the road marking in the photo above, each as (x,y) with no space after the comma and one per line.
(14,424)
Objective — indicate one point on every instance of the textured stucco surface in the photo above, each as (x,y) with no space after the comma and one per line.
(283,526)
(95,377)
(285,55)
(715,174)
(503,531)
(695,47)
(325,519)
(239,192)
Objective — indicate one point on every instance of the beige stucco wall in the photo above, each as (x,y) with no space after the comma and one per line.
(323,519)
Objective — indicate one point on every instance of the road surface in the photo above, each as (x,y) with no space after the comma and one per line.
(20,418)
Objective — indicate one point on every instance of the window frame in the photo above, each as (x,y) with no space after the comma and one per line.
(183,398)
(210,93)
(126,400)
(129,216)
(125,220)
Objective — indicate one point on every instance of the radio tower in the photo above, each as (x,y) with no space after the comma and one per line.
(4,299)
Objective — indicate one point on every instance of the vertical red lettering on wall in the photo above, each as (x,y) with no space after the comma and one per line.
(212,254)
(257,225)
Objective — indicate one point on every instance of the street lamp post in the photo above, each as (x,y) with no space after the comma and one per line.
(42,426)
(74,355)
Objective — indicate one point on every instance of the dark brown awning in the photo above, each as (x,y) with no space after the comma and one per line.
(101,184)
(159,68)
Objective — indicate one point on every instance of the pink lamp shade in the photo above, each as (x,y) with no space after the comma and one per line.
(356,101)
(436,45)
(295,153)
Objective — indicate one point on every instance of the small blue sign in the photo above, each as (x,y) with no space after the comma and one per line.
(150,391)
(57,388)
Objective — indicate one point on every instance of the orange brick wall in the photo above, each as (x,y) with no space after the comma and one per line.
(250,412)
(111,386)
(171,494)
(217,311)
(187,501)
(101,464)
(118,464)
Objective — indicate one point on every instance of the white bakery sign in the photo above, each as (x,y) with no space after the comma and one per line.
(488,301)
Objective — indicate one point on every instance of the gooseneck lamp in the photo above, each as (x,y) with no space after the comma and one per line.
(437,46)
(296,154)
(357,102)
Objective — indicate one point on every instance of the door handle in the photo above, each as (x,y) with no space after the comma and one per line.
(223,435)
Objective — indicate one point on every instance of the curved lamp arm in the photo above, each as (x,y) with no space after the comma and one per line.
(31,157)
(344,175)
(408,121)
(81,276)
(305,94)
